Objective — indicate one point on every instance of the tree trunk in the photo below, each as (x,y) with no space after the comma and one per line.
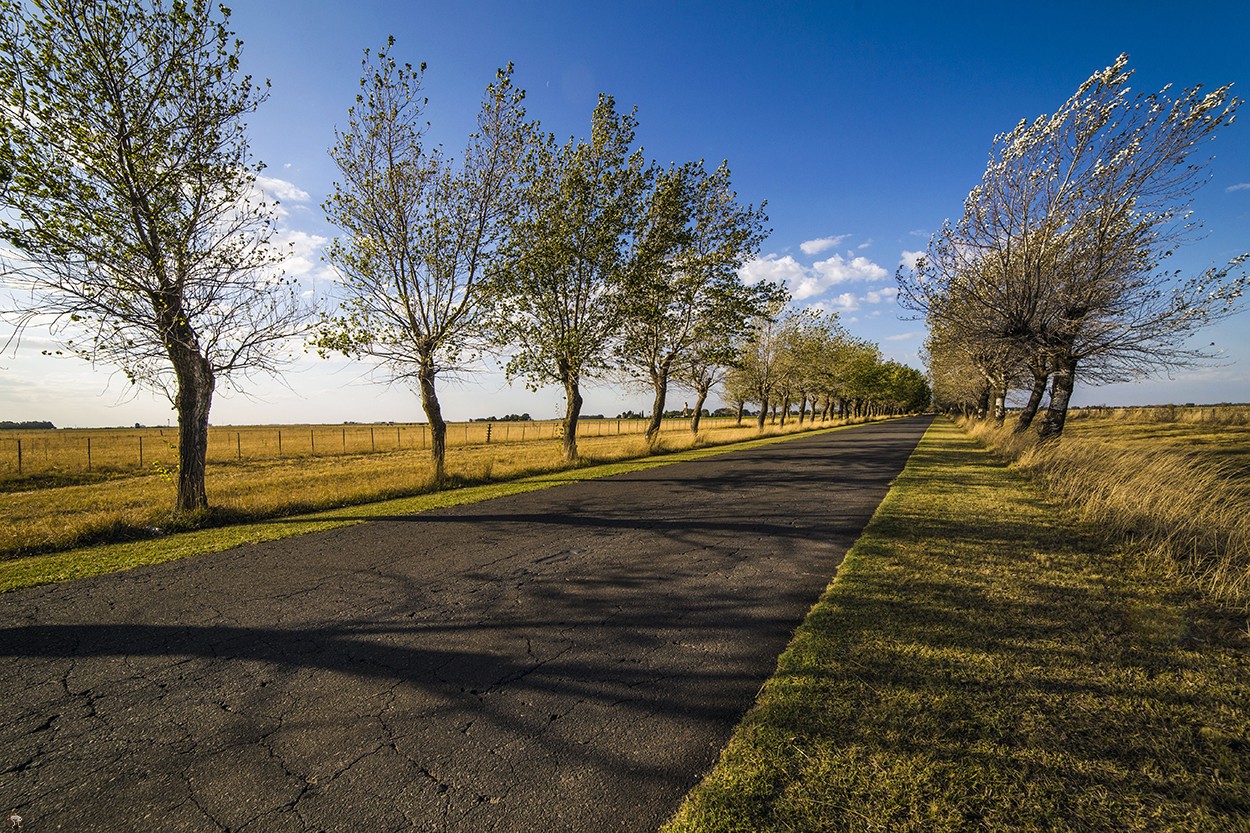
(571,413)
(763,413)
(1000,405)
(434,414)
(1060,395)
(701,392)
(983,401)
(192,401)
(1035,400)
(785,410)
(803,406)
(659,383)
(741,407)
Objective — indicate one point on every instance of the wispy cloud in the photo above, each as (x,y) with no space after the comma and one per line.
(282,189)
(885,294)
(901,336)
(821,244)
(845,302)
(1240,186)
(909,259)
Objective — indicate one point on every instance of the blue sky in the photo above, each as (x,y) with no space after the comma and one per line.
(862,124)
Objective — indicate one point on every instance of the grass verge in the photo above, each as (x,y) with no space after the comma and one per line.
(49,568)
(1178,500)
(981,663)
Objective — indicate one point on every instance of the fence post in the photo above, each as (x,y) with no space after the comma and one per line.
(19,456)
(88,454)
(398,444)
(344,440)
(372,445)
(279,442)
(238,444)
(140,451)
(489,425)
(312,441)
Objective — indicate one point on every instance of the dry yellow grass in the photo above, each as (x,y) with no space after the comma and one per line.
(56,518)
(28,458)
(1177,492)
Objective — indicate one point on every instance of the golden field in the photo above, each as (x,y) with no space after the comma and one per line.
(46,514)
(1174,483)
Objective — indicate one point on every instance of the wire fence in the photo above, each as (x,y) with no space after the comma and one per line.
(29,453)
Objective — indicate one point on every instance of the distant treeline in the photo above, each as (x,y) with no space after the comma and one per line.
(31,425)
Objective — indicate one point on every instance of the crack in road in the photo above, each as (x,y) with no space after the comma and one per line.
(564,660)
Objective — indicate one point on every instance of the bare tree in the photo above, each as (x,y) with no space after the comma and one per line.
(139,234)
(1059,250)
(421,231)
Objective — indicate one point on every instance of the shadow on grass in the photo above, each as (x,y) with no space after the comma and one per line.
(981,663)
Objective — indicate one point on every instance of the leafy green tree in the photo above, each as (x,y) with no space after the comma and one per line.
(132,206)
(422,231)
(560,307)
(683,300)
(759,362)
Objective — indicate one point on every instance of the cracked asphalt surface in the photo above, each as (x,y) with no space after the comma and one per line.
(571,659)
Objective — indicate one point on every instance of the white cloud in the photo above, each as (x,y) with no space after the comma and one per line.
(821,244)
(811,281)
(303,254)
(886,294)
(785,270)
(282,189)
(901,336)
(840,270)
(1240,186)
(909,259)
(865,244)
(846,302)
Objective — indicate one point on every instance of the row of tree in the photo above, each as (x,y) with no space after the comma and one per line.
(799,357)
(137,233)
(572,260)
(1054,272)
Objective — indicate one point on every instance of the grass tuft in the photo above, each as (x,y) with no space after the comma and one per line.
(1182,509)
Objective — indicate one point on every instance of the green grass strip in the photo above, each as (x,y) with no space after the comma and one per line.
(55,567)
(982,662)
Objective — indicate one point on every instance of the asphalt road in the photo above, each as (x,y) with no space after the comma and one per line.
(571,659)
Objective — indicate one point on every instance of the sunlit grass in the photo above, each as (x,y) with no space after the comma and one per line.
(38,458)
(1177,492)
(982,662)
